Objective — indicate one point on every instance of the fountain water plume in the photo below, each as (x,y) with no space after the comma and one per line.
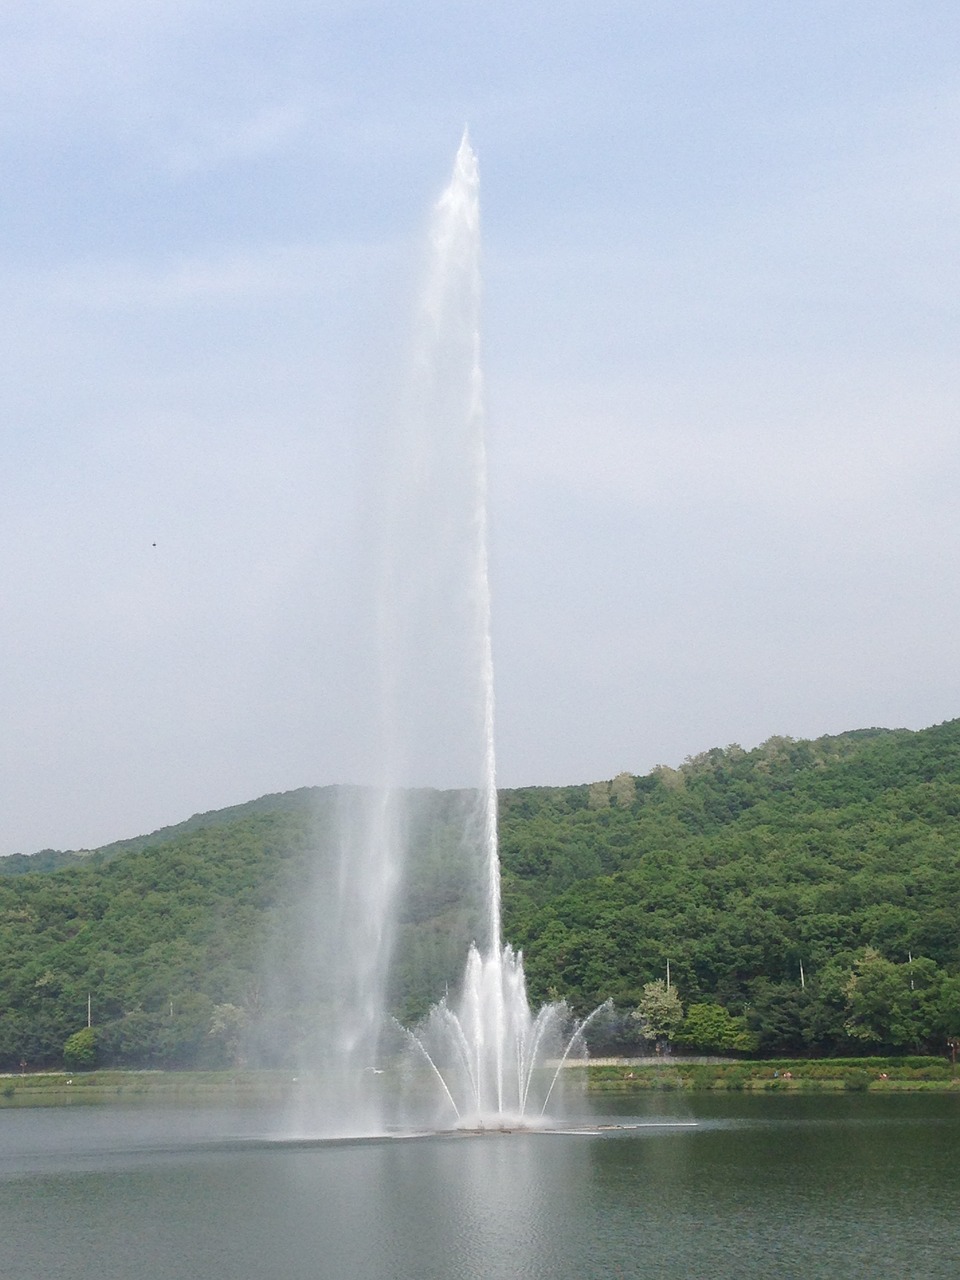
(486,1051)
(487,1047)
(498,1063)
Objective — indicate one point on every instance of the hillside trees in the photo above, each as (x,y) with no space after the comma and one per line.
(841,855)
(157,937)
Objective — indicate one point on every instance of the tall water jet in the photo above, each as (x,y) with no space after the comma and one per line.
(485,1049)
(480,1056)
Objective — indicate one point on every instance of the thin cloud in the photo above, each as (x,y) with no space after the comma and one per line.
(266,272)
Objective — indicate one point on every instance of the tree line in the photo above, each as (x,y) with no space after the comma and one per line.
(805,895)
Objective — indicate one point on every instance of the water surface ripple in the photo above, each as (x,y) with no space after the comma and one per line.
(832,1186)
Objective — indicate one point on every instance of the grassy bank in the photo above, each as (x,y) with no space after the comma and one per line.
(65,1088)
(891,1075)
(245,1088)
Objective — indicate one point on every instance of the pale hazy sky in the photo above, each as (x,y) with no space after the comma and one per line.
(721,342)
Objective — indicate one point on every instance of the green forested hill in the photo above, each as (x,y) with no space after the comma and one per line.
(840,855)
(58,859)
(158,937)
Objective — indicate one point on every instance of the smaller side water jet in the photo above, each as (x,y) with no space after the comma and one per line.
(497,1063)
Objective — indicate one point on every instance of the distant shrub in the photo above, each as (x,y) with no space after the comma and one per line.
(856,1080)
(80,1050)
(736,1077)
(702,1077)
(668,1082)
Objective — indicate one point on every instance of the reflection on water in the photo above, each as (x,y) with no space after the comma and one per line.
(827,1186)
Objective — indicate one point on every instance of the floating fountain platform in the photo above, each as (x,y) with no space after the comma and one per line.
(485,1131)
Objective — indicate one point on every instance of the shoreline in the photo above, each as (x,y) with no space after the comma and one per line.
(243,1087)
(806,1075)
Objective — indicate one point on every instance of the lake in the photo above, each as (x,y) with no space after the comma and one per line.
(711,1185)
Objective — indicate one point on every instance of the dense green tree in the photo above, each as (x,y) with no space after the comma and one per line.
(80,1050)
(711,1027)
(227,1025)
(891,1005)
(659,1011)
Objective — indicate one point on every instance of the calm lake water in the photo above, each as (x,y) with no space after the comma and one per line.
(778,1186)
